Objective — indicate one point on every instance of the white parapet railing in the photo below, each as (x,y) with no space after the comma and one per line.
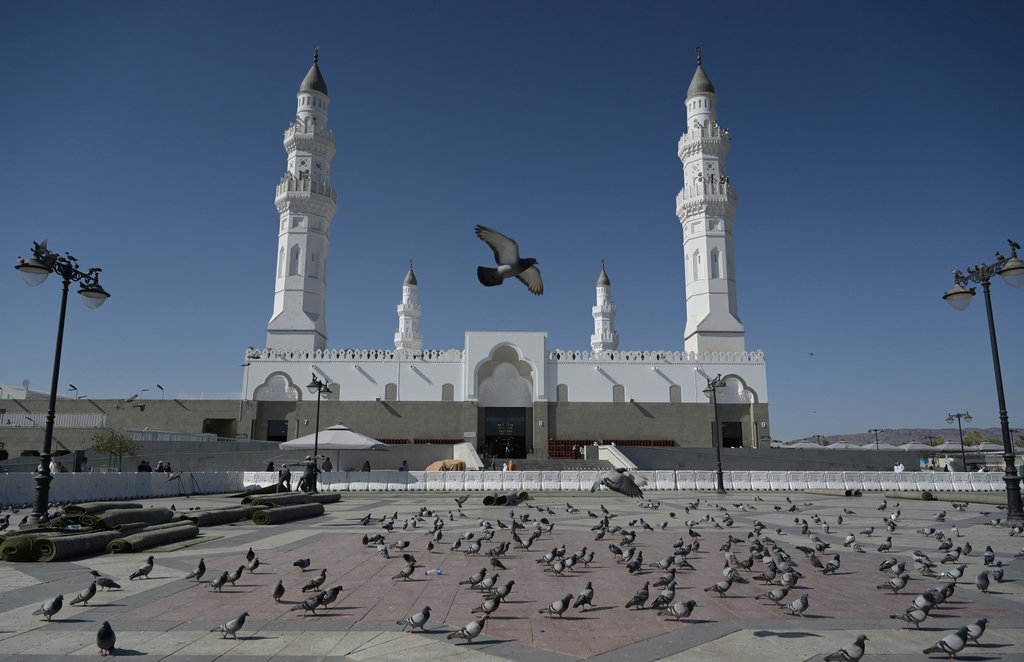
(17,488)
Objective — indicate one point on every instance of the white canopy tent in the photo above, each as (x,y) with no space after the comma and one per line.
(335,438)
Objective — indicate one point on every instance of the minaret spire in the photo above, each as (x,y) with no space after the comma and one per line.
(306,204)
(408,335)
(705,208)
(605,337)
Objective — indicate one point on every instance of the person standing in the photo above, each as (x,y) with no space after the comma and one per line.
(284,478)
(327,466)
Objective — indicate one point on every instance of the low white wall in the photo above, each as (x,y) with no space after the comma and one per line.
(19,488)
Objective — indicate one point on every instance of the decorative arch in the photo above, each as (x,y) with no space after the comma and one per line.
(505,379)
(278,387)
(736,391)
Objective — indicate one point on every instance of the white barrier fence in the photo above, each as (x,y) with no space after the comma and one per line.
(19,488)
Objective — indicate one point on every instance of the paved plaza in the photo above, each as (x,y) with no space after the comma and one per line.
(170,617)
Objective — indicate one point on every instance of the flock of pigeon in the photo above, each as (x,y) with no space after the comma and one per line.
(754,557)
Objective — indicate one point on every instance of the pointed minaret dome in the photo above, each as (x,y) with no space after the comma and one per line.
(700,84)
(314,80)
(603,280)
(410,278)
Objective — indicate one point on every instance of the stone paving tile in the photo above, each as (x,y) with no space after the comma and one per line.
(168,617)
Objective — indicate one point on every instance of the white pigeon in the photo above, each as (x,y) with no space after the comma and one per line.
(623,482)
(506,255)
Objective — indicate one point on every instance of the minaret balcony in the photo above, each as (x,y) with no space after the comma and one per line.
(316,140)
(293,185)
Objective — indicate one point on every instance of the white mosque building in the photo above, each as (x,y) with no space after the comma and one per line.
(509,392)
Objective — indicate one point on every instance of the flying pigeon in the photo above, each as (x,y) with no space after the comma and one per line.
(232,627)
(558,607)
(50,607)
(951,644)
(470,630)
(105,639)
(680,610)
(623,482)
(850,652)
(417,620)
(506,255)
(85,595)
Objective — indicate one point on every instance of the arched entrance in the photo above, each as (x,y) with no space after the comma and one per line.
(506,400)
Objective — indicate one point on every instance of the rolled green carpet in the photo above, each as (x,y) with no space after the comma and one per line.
(151,537)
(292,499)
(217,516)
(287,513)
(58,548)
(96,506)
(108,519)
(19,548)
(833,492)
(489,499)
(523,496)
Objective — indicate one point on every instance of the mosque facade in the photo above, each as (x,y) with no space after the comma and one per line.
(510,393)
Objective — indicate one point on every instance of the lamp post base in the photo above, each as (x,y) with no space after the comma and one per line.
(40,509)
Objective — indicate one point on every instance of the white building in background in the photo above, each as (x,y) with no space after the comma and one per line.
(511,386)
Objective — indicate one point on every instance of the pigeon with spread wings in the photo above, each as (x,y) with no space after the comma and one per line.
(506,254)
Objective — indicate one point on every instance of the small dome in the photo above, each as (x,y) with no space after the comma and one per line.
(314,80)
(700,84)
(410,278)
(603,280)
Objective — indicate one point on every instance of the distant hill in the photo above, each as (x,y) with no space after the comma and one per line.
(906,435)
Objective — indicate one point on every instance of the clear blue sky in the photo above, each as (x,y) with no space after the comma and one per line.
(875,147)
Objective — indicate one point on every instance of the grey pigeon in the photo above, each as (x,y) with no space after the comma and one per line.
(506,255)
(309,604)
(50,607)
(218,583)
(776,595)
(640,597)
(488,606)
(982,581)
(665,598)
(913,615)
(951,644)
(315,584)
(405,572)
(896,584)
(105,639)
(278,591)
(586,597)
(330,595)
(302,564)
(850,652)
(502,591)
(799,606)
(103,582)
(621,481)
(198,573)
(85,595)
(680,610)
(976,629)
(470,630)
(475,579)
(253,564)
(144,571)
(232,627)
(558,607)
(417,620)
(721,588)
(236,575)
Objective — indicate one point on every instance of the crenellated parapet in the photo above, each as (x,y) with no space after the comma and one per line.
(658,356)
(428,355)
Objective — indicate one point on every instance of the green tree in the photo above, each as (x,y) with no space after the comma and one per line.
(115,444)
(973,438)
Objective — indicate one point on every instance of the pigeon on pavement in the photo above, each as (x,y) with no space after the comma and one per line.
(85,595)
(309,604)
(315,584)
(417,620)
(850,652)
(278,591)
(470,630)
(144,571)
(105,639)
(640,597)
(198,573)
(218,583)
(951,644)
(232,627)
(302,564)
(103,582)
(236,575)
(680,610)
(506,255)
(623,482)
(976,629)
(586,597)
(330,595)
(50,607)
(558,607)
(665,598)
(798,606)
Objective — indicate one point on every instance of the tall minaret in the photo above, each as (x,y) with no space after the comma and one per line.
(307,203)
(605,336)
(706,207)
(408,335)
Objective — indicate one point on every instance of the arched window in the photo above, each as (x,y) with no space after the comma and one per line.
(618,393)
(293,261)
(563,393)
(390,391)
(447,392)
(675,394)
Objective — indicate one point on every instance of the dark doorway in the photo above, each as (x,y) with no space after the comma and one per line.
(505,431)
(732,435)
(277,430)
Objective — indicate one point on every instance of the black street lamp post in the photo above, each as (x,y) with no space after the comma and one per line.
(34,271)
(959,296)
(319,387)
(712,392)
(876,431)
(967,417)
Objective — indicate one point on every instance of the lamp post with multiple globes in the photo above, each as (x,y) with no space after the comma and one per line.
(320,388)
(712,392)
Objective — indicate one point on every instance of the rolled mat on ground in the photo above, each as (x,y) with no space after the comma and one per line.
(287,513)
(60,547)
(152,537)
(824,492)
(108,519)
(217,516)
(96,506)
(19,548)
(292,499)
